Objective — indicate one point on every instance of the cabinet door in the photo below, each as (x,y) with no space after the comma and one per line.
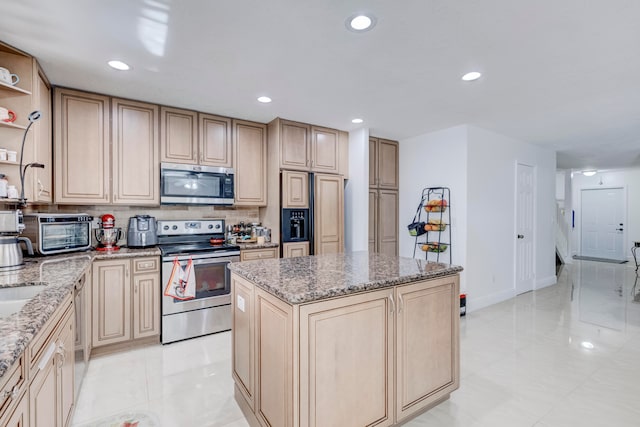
(146,305)
(81,146)
(41,188)
(20,416)
(43,391)
(387,222)
(215,141)
(294,146)
(295,189)
(373,220)
(65,364)
(291,250)
(111,302)
(243,337)
(373,162)
(427,363)
(324,150)
(178,135)
(387,164)
(252,254)
(136,169)
(329,214)
(346,361)
(250,160)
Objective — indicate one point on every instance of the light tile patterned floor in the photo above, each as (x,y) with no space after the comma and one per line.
(523,363)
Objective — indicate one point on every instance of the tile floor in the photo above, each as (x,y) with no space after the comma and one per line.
(566,355)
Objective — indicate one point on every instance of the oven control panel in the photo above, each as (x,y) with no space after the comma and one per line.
(185,227)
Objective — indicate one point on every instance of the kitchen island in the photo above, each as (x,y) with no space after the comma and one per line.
(356,339)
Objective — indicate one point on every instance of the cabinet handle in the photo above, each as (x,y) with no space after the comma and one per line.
(12,394)
(40,188)
(61,356)
(400,303)
(135,288)
(393,305)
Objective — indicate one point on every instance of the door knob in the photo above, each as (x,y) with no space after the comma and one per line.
(619,229)
(520,236)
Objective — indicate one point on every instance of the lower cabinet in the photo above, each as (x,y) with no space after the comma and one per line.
(125,306)
(251,254)
(373,359)
(14,402)
(291,250)
(20,416)
(51,394)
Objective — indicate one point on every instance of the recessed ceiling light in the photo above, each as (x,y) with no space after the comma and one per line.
(360,22)
(118,65)
(469,77)
(264,99)
(357,121)
(587,345)
(589,173)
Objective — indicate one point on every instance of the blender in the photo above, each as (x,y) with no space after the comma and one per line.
(108,235)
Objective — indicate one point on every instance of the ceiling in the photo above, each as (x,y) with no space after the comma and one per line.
(560,74)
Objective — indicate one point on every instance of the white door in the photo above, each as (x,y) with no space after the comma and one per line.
(524,228)
(602,212)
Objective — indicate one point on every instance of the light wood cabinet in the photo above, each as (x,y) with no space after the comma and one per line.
(253,254)
(42,178)
(250,163)
(20,416)
(324,150)
(291,250)
(125,305)
(374,358)
(178,135)
(195,138)
(294,145)
(295,189)
(135,165)
(51,393)
(329,214)
(12,388)
(82,136)
(383,163)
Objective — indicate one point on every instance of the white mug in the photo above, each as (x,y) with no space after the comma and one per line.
(7,77)
(7,115)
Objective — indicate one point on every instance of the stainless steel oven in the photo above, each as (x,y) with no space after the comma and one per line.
(210,310)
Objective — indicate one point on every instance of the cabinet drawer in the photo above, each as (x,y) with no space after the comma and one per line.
(144,265)
(12,385)
(252,254)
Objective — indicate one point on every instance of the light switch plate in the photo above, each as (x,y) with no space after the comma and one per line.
(240,303)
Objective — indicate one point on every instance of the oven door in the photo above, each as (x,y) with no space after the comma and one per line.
(213,282)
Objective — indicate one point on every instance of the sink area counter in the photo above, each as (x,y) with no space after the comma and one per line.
(307,279)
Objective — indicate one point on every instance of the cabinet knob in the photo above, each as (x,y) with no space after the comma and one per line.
(520,236)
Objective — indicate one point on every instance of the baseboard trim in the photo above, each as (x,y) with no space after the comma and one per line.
(547,281)
(486,301)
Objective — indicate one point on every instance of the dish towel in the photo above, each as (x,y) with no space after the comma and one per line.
(182,282)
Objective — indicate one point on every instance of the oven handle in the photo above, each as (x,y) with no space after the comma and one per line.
(204,259)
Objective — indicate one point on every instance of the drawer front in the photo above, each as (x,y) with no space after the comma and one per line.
(12,386)
(145,265)
(253,254)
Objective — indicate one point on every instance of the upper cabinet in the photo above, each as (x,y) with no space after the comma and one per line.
(84,168)
(29,92)
(250,163)
(135,165)
(295,189)
(195,138)
(309,148)
(383,163)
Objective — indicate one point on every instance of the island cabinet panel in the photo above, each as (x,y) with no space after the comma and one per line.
(346,361)
(427,324)
(274,354)
(82,137)
(243,338)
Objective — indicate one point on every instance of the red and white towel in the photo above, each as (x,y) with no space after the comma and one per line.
(182,282)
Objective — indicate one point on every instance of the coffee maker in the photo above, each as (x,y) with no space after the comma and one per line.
(107,234)
(11,225)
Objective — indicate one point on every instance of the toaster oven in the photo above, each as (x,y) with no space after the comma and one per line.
(58,233)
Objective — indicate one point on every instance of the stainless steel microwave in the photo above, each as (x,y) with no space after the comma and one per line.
(58,233)
(195,185)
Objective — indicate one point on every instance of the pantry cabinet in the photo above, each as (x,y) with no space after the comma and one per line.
(308,148)
(383,163)
(329,214)
(250,163)
(195,138)
(125,305)
(383,196)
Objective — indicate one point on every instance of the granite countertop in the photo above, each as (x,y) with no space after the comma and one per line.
(307,279)
(59,273)
(248,246)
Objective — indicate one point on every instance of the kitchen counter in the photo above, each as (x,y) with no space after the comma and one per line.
(59,273)
(249,246)
(307,279)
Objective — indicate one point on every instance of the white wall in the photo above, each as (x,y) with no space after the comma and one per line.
(629,179)
(491,218)
(356,193)
(437,159)
(480,168)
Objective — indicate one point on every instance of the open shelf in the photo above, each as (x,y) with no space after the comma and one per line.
(11,125)
(10,88)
